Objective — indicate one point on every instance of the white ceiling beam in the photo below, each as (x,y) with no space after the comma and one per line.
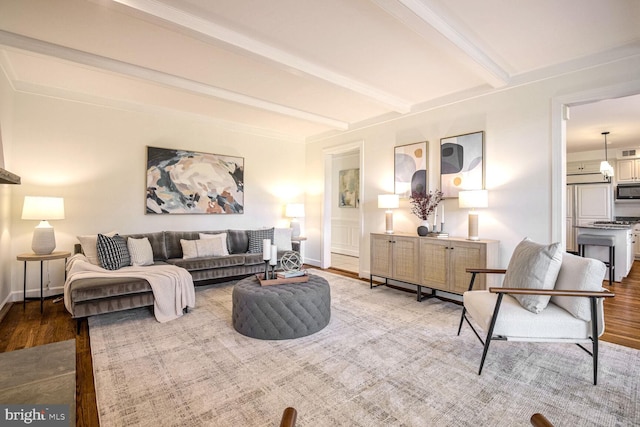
(256,47)
(124,68)
(476,58)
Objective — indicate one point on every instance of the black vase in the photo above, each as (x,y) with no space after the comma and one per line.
(423,229)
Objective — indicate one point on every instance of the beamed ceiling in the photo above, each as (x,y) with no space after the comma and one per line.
(303,69)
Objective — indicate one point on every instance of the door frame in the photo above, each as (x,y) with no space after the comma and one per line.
(327,206)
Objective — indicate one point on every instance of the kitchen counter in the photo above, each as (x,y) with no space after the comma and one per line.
(606,226)
(623,246)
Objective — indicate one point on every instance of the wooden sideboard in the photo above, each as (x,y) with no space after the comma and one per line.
(431,262)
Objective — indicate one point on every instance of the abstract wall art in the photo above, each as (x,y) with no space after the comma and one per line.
(348,188)
(410,169)
(188,182)
(461,163)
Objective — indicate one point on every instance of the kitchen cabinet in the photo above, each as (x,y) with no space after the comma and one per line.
(589,166)
(594,202)
(438,264)
(636,243)
(628,170)
(395,257)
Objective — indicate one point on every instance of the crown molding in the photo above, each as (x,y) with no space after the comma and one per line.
(218,32)
(421,18)
(124,68)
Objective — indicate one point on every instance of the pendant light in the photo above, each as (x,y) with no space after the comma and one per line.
(605,168)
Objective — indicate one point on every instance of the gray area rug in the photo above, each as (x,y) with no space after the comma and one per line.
(384,360)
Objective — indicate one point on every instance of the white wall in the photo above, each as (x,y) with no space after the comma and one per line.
(345,222)
(6,119)
(518,159)
(95,158)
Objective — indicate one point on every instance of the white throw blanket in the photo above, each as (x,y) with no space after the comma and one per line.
(172,286)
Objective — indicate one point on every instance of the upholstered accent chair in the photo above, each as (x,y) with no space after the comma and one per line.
(547,296)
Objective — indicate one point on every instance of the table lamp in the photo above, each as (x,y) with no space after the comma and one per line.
(473,199)
(43,209)
(294,211)
(388,202)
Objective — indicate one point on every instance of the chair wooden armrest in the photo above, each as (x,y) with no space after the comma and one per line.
(475,271)
(539,420)
(289,417)
(552,292)
(486,270)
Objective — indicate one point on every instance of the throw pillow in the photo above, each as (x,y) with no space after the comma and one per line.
(282,238)
(112,252)
(579,274)
(140,251)
(200,248)
(256,237)
(220,241)
(533,266)
(89,245)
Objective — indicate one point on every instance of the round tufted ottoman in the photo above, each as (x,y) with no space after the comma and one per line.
(281,312)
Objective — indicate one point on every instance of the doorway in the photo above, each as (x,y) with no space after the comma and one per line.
(560,114)
(342,214)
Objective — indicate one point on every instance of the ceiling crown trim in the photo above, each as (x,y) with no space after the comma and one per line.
(131,70)
(475,58)
(256,47)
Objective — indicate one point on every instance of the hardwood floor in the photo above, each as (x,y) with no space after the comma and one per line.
(21,329)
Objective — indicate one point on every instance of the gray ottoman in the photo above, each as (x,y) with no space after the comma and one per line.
(281,312)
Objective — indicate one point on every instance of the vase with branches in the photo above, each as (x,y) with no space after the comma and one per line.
(423,204)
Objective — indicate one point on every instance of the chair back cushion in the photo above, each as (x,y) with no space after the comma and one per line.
(578,274)
(533,266)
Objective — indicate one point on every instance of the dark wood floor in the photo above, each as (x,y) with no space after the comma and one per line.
(22,329)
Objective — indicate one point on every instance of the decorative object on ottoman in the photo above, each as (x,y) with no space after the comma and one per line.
(291,261)
(281,312)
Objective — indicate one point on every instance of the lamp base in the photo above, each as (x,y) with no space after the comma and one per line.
(44,239)
(388,222)
(295,228)
(473,226)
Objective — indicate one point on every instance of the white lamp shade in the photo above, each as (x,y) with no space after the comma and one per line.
(388,201)
(294,210)
(43,208)
(473,199)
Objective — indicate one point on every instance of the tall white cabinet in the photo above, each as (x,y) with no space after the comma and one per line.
(587,203)
(594,202)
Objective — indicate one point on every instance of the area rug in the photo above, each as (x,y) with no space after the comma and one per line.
(384,360)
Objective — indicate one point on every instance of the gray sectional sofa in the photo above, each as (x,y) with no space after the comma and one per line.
(91,296)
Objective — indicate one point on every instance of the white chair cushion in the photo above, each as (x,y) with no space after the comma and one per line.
(578,274)
(516,323)
(533,266)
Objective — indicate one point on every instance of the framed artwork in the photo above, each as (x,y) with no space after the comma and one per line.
(188,182)
(348,188)
(410,169)
(461,163)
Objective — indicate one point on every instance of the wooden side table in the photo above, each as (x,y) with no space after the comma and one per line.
(41,258)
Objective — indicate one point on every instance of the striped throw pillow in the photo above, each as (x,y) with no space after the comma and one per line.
(112,252)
